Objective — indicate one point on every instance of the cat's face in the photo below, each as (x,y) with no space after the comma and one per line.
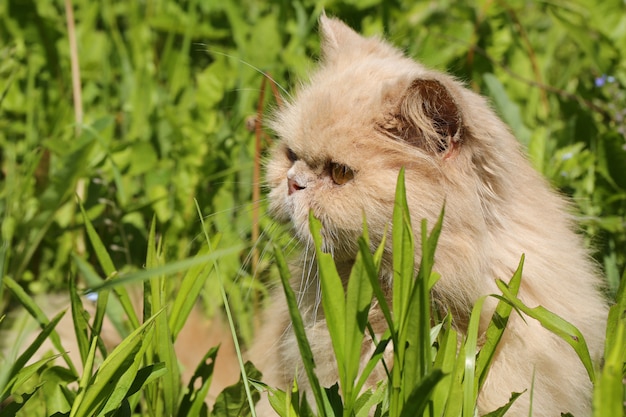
(366,113)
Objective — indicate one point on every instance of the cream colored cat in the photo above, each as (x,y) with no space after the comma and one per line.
(369,111)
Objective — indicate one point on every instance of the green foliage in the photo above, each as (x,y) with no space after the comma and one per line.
(167,90)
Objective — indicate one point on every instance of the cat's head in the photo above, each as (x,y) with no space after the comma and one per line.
(367,112)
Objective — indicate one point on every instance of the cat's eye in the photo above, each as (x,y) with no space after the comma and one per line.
(291,155)
(340,173)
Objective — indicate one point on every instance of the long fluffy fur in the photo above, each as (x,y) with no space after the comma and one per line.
(370,108)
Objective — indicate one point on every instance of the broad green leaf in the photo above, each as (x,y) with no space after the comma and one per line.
(21,376)
(12,408)
(145,376)
(57,396)
(193,400)
(233,401)
(278,399)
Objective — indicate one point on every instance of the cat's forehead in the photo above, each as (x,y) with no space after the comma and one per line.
(336,111)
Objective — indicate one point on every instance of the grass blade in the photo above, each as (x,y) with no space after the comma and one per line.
(470,388)
(80,321)
(610,391)
(190,288)
(306,354)
(115,375)
(556,325)
(445,361)
(496,327)
(333,297)
(167,269)
(358,301)
(33,309)
(418,399)
(403,252)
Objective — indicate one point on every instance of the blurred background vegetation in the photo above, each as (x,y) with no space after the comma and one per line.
(171,88)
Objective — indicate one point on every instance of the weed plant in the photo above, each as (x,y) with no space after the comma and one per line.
(109,150)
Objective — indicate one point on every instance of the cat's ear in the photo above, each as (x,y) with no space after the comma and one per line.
(427,117)
(336,36)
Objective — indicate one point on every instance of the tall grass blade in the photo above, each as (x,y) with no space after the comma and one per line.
(80,320)
(19,364)
(609,397)
(501,412)
(419,398)
(372,266)
(555,324)
(496,327)
(88,369)
(114,377)
(33,309)
(445,361)
(403,252)
(167,269)
(231,323)
(104,259)
(358,301)
(323,405)
(403,280)
(106,263)
(333,297)
(190,287)
(470,387)
(165,394)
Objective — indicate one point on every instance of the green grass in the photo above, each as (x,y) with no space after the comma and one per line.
(159,135)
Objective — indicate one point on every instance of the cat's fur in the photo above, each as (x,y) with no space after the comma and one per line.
(374,111)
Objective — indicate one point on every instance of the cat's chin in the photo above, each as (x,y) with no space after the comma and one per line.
(343,249)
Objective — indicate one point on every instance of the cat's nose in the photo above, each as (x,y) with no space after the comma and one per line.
(293,186)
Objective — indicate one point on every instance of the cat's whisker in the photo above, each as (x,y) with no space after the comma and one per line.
(248,64)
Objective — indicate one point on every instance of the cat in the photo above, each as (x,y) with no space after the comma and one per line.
(369,111)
